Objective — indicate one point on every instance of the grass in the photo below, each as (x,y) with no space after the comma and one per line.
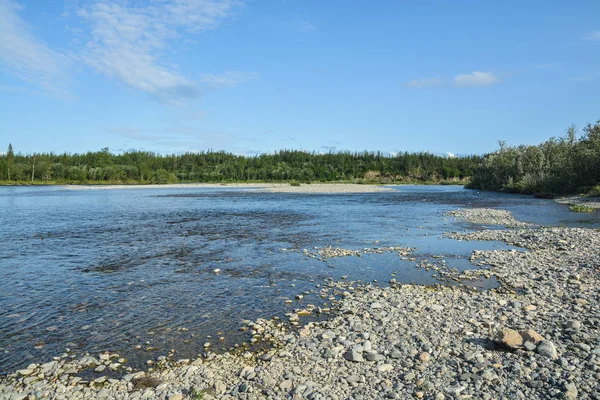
(295,183)
(196,394)
(581,208)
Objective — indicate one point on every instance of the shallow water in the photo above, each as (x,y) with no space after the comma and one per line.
(96,270)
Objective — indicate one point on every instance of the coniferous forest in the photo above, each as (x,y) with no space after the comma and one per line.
(569,164)
(286,165)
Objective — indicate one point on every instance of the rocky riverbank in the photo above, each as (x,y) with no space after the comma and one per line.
(536,337)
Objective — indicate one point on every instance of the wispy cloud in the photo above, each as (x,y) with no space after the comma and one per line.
(476,78)
(307,26)
(24,56)
(592,76)
(177,139)
(425,82)
(128,42)
(227,79)
(593,36)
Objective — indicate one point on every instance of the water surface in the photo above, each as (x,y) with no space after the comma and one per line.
(95,270)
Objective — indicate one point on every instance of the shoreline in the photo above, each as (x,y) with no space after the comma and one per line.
(324,188)
(402,341)
(593,202)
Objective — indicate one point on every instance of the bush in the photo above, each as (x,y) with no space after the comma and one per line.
(163,177)
(581,208)
(295,183)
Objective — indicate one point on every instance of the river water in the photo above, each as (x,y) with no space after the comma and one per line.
(95,270)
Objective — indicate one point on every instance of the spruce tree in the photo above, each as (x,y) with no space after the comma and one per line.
(10,157)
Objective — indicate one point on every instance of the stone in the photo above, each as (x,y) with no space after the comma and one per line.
(454,390)
(571,391)
(529,346)
(575,325)
(372,355)
(508,338)
(220,387)
(285,385)
(25,372)
(583,346)
(353,355)
(436,307)
(176,396)
(424,357)
(547,349)
(531,336)
(385,367)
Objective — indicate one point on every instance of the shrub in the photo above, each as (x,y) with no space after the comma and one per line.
(581,208)
(595,191)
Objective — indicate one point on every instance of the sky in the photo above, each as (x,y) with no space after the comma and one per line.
(256,76)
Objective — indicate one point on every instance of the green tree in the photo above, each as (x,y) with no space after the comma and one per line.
(10,158)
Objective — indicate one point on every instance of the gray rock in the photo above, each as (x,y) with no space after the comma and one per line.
(286,385)
(573,325)
(353,355)
(547,349)
(454,390)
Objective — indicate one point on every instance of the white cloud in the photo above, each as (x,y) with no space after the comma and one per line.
(450,155)
(593,36)
(128,42)
(476,78)
(425,82)
(227,79)
(24,56)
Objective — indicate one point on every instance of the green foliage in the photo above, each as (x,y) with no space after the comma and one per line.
(581,208)
(283,166)
(557,166)
(294,183)
(595,191)
(196,394)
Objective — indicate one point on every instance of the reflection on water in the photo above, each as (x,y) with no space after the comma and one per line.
(112,269)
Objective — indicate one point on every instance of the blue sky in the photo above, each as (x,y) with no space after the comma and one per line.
(257,76)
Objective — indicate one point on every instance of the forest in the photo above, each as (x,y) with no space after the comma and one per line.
(283,166)
(565,165)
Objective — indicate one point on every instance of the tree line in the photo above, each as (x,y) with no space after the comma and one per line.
(564,165)
(219,166)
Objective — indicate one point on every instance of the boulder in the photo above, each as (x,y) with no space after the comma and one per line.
(532,336)
(509,339)
(547,348)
